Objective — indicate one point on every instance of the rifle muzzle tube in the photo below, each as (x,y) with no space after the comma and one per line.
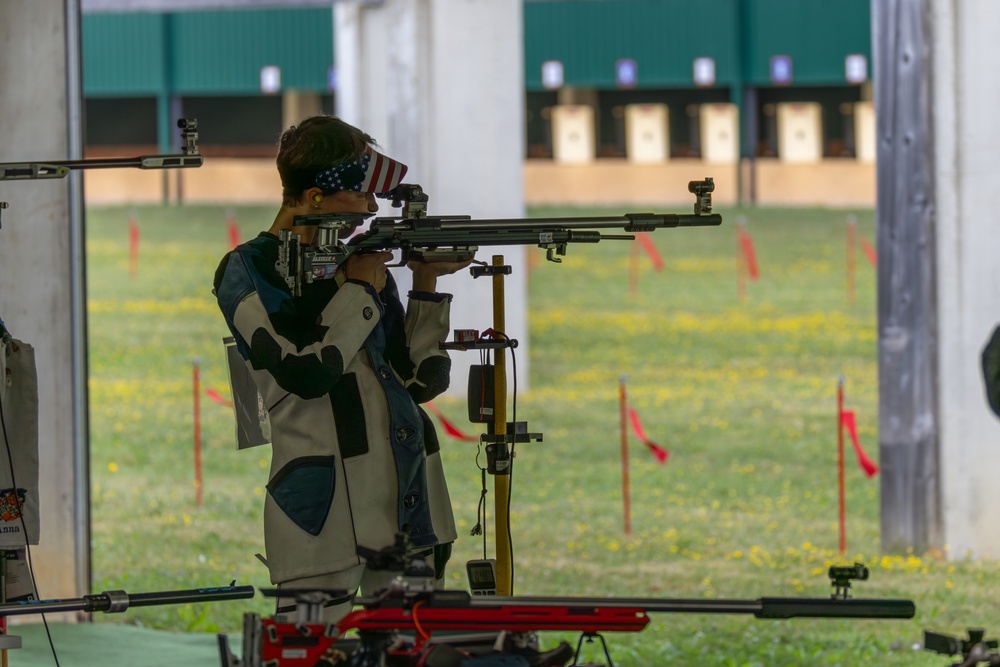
(779,608)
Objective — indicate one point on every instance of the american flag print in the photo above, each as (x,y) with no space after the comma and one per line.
(374,172)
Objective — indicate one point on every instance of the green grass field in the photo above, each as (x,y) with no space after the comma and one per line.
(741,391)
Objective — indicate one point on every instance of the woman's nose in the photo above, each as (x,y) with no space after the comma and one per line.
(372,204)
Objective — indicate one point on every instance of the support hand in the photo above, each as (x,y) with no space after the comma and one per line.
(425,274)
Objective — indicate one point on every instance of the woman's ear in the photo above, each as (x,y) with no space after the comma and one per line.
(312,197)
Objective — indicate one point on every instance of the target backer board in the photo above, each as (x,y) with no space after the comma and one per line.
(573,133)
(720,133)
(647,133)
(800,134)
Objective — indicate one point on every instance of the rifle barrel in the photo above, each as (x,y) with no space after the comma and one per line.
(655,220)
(118,601)
(765,608)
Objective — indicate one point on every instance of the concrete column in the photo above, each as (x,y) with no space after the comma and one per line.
(967,191)
(41,272)
(440,85)
(297,104)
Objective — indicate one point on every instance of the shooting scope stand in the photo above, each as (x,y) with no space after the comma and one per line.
(413,201)
(497,439)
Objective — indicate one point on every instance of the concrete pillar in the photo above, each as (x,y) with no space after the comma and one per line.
(41,271)
(967,192)
(440,85)
(297,104)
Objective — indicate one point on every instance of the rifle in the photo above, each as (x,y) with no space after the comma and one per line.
(456,238)
(265,641)
(189,157)
(411,603)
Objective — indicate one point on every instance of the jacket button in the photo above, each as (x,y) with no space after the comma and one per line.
(403,433)
(406,529)
(410,501)
(385,373)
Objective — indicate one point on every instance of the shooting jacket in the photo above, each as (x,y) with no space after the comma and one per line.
(341,370)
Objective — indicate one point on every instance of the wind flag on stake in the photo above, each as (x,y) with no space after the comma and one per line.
(746,258)
(746,243)
(846,420)
(197,433)
(133,243)
(852,224)
(623,432)
(869,252)
(847,416)
(217,397)
(633,267)
(628,415)
(232,228)
(449,428)
(647,244)
(660,453)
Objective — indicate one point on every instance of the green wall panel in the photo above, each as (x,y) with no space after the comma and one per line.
(123,54)
(222,52)
(662,36)
(205,53)
(817,34)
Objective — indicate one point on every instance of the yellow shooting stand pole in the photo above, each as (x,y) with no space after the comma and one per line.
(499,443)
(505,583)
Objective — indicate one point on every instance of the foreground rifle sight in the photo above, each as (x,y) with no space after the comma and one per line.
(456,238)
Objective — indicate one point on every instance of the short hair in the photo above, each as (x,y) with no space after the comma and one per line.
(315,144)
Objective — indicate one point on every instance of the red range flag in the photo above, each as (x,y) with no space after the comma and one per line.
(133,244)
(847,418)
(449,427)
(647,244)
(660,453)
(746,242)
(869,251)
(233,230)
(217,397)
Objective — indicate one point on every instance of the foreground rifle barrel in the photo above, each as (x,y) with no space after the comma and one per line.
(119,601)
(765,608)
(774,608)
(639,220)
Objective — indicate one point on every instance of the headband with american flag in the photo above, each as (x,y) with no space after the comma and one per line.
(372,172)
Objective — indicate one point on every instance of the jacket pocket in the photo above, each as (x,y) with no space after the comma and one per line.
(349,414)
(303,489)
